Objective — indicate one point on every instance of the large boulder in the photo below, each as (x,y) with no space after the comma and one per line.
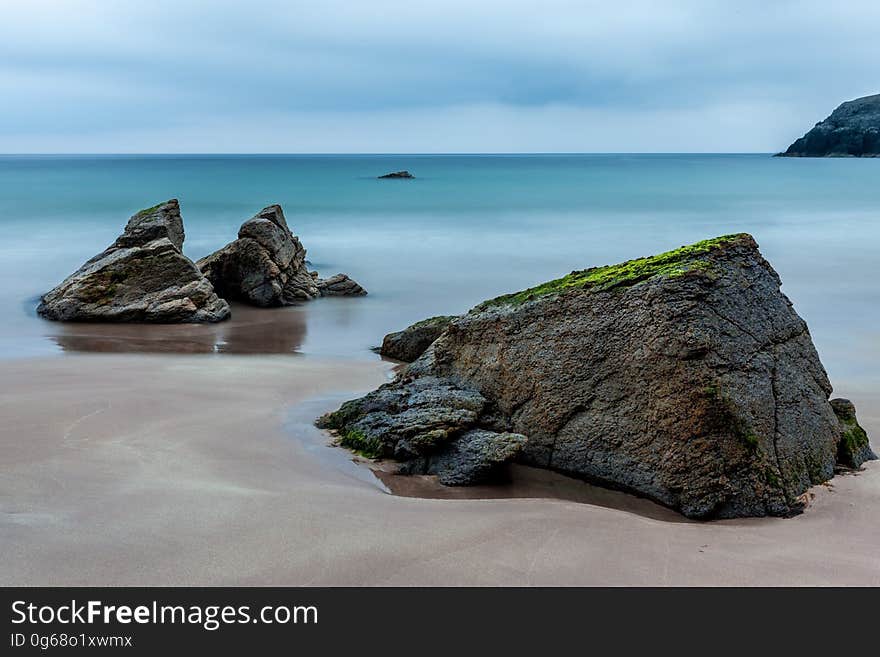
(852,130)
(266,265)
(142,277)
(411,342)
(685,377)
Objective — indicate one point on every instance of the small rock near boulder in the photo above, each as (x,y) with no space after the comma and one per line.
(475,457)
(339,285)
(411,342)
(853,448)
(266,266)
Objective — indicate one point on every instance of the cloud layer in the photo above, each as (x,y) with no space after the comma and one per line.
(450,76)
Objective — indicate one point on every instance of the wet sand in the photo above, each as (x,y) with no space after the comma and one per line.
(199,469)
(250,330)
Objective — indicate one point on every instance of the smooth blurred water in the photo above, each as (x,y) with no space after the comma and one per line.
(466,229)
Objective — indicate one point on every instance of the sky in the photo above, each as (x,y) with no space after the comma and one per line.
(454,76)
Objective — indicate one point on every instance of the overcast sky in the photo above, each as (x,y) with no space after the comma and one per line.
(373,76)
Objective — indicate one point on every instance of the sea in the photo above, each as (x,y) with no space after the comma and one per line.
(466,228)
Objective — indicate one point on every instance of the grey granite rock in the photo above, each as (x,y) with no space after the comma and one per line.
(142,277)
(853,449)
(411,342)
(852,130)
(340,285)
(475,457)
(266,265)
(686,377)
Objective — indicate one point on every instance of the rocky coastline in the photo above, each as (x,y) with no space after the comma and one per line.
(852,130)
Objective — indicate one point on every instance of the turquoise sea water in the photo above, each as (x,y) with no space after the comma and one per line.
(467,228)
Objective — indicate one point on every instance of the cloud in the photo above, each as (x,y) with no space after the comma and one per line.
(400,76)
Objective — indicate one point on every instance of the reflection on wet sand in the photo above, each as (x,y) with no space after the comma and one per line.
(249,331)
(523,482)
(520,482)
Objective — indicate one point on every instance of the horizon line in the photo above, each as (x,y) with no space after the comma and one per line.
(367,154)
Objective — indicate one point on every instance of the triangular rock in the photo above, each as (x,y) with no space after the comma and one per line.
(142,277)
(685,377)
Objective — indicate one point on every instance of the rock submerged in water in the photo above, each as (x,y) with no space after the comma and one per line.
(340,285)
(411,342)
(266,266)
(397,174)
(852,130)
(142,277)
(686,378)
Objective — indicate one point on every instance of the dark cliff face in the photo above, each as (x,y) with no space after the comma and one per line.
(686,377)
(852,130)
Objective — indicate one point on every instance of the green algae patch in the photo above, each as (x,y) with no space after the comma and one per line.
(357,441)
(433,320)
(853,443)
(102,286)
(671,264)
(853,448)
(772,478)
(149,210)
(341,418)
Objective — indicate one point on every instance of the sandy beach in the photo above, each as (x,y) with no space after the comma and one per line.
(201,470)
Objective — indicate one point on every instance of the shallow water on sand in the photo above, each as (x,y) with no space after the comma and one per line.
(466,229)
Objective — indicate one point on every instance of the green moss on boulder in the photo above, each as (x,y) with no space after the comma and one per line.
(671,264)
(357,441)
(853,448)
(338,419)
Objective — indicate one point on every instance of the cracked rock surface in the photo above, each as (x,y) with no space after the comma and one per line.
(686,377)
(266,266)
(142,277)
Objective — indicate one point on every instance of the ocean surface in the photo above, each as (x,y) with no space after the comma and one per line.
(466,229)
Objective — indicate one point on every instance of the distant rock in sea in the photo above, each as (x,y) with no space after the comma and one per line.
(266,266)
(398,174)
(685,377)
(142,277)
(411,342)
(852,130)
